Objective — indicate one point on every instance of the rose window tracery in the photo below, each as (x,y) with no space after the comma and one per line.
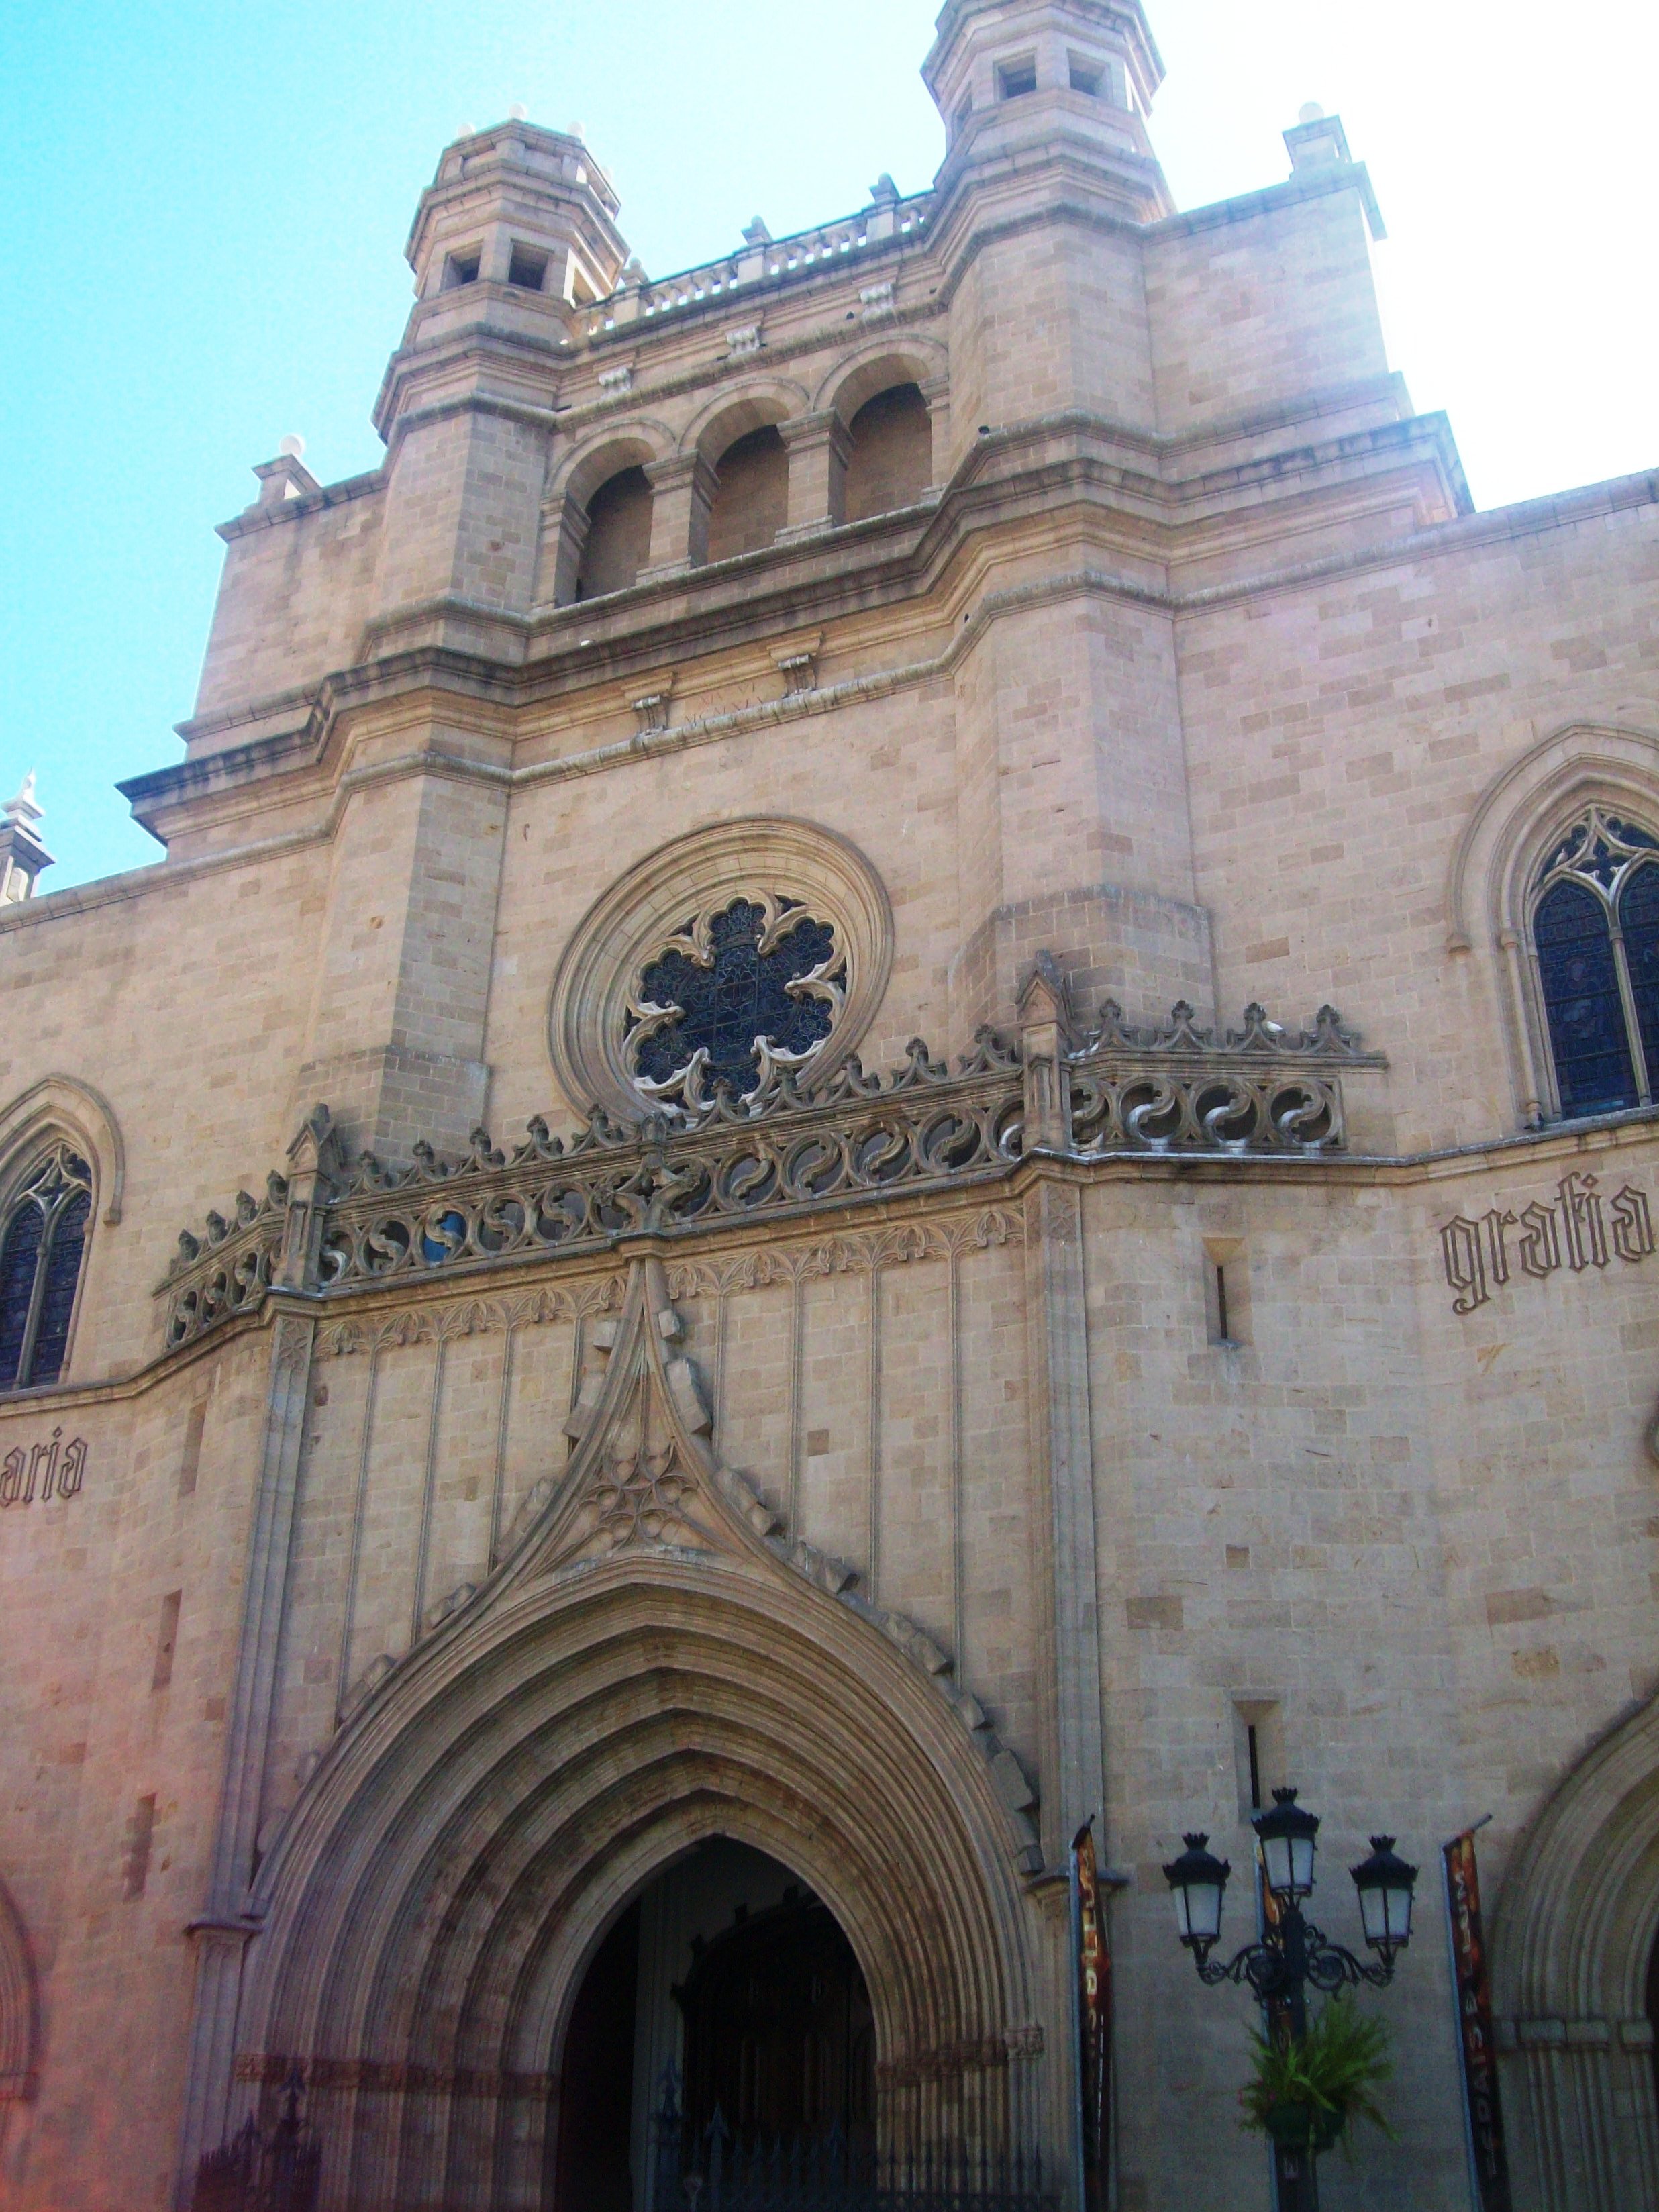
(741,991)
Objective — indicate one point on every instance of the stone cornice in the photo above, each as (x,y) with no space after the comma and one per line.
(532,682)
(252,519)
(1129,465)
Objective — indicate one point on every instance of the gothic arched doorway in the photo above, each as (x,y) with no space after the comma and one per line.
(477,1834)
(725,1999)
(1574,1944)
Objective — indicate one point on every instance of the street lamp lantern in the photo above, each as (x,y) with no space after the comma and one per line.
(1289,1836)
(1198,1882)
(1291,1955)
(1385,1884)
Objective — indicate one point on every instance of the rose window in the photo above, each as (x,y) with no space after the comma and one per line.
(739,993)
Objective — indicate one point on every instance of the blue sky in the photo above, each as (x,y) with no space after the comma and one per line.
(210,199)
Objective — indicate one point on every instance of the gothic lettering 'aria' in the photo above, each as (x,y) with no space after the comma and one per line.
(1577,1228)
(47,1470)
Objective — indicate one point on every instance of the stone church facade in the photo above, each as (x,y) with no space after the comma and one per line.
(985,974)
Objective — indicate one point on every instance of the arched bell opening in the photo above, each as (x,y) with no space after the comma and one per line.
(440,1901)
(723,2014)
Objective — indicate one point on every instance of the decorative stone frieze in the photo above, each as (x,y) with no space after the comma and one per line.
(786,1149)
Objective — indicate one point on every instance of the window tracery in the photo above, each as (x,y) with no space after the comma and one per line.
(40,1255)
(742,990)
(1595,938)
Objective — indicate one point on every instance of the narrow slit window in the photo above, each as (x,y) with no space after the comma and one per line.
(1226,1292)
(167,1640)
(189,1461)
(1258,1752)
(141,1832)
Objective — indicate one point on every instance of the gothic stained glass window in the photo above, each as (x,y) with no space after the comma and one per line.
(40,1253)
(1595,932)
(723,998)
(1638,925)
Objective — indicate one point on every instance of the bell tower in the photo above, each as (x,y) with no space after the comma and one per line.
(520,206)
(1078,74)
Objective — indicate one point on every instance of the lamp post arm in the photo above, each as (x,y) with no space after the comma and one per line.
(1330,1967)
(1301,1955)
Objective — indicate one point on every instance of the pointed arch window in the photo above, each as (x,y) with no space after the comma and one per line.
(42,1250)
(1595,938)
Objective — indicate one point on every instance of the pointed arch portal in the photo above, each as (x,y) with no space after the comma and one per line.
(1574,1945)
(611,1701)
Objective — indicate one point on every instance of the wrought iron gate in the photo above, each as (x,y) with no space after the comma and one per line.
(260,2173)
(718,2174)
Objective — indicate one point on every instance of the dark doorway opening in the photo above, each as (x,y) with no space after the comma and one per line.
(596,2101)
(780,2040)
(726,1988)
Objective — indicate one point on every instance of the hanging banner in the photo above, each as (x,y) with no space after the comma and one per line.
(1269,1918)
(1094,1970)
(1472,1987)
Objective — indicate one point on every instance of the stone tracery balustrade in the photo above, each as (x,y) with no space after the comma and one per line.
(1179,1088)
(1173,1089)
(808,253)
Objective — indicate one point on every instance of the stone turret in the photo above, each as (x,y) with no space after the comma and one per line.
(1077,75)
(521,206)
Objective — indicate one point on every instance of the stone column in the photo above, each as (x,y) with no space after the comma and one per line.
(682,494)
(226,1926)
(937,394)
(819,446)
(400,1003)
(1062,1435)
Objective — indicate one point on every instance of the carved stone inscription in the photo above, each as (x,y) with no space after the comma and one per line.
(1577,1229)
(50,1469)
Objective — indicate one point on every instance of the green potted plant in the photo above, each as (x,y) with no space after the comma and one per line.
(1306,2092)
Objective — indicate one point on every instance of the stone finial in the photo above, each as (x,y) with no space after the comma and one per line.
(1045,997)
(1317,144)
(287,477)
(756,233)
(22,855)
(1045,1035)
(1315,139)
(884,192)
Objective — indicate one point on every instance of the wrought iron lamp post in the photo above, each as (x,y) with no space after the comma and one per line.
(1293,1952)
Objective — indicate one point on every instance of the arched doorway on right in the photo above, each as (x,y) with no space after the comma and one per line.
(1576,1984)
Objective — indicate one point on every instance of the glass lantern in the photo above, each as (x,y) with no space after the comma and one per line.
(1385,1884)
(1289,1834)
(1197,1881)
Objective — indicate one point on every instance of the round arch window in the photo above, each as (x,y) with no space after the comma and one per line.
(717,963)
